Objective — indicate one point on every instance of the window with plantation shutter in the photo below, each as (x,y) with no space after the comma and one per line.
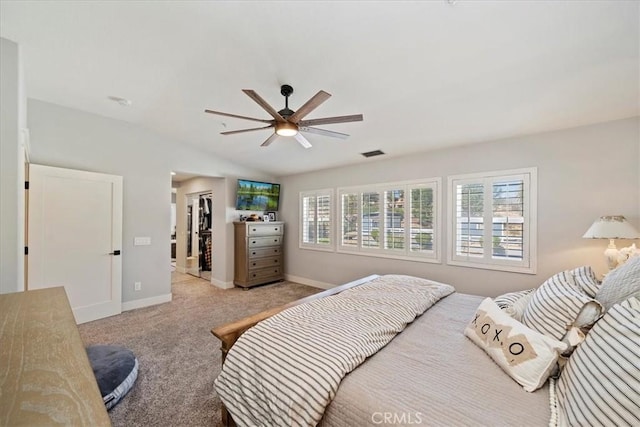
(493,220)
(349,221)
(395,220)
(370,220)
(315,219)
(421,218)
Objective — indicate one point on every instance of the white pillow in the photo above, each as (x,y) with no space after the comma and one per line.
(556,305)
(620,284)
(600,385)
(526,355)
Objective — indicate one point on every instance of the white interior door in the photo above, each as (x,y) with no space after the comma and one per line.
(75,238)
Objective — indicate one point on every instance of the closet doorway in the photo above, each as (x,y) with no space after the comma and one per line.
(199,239)
(201,236)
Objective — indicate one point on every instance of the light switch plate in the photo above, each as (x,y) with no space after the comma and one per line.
(141,241)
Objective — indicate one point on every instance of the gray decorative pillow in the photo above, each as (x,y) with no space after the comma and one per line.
(600,385)
(556,304)
(620,284)
(586,280)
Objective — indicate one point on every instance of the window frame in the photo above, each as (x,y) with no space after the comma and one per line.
(301,223)
(432,256)
(528,264)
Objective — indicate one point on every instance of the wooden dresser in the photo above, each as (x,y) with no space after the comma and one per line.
(45,375)
(258,256)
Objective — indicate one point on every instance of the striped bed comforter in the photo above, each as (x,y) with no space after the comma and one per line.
(287,369)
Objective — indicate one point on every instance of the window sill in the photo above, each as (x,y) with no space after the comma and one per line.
(414,258)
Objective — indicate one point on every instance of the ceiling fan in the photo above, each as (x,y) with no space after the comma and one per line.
(287,122)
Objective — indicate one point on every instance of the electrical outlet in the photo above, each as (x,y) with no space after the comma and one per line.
(137,286)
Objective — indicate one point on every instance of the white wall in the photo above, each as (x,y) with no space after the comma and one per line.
(75,139)
(583,173)
(12,120)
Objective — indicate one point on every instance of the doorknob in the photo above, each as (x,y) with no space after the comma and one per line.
(117,252)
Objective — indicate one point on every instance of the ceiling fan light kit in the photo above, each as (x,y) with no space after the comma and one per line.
(287,122)
(286,129)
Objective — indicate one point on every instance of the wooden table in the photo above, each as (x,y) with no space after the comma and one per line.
(45,375)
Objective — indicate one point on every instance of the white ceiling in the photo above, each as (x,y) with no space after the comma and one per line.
(425,74)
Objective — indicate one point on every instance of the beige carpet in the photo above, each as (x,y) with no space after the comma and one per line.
(178,356)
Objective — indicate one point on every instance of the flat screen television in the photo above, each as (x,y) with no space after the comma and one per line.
(257,196)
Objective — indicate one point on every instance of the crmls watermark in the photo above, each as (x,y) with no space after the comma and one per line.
(395,418)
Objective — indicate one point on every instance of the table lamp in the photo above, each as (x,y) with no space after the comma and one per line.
(611,227)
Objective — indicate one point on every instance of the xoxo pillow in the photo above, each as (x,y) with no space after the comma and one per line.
(527,356)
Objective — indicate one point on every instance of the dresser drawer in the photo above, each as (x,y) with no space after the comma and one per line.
(264,229)
(263,252)
(265,273)
(275,261)
(258,242)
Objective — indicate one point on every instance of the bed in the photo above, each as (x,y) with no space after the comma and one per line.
(429,374)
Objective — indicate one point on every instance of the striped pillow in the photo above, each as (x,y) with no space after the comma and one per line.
(586,280)
(507,300)
(556,304)
(600,384)
(517,309)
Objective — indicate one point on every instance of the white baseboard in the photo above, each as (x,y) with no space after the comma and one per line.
(309,282)
(182,270)
(222,285)
(145,302)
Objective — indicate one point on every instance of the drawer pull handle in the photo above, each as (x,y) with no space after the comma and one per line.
(276,229)
(275,260)
(254,264)
(275,240)
(254,242)
(253,253)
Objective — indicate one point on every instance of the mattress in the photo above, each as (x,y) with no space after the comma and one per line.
(431,374)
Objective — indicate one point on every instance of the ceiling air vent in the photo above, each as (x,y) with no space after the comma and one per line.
(373,153)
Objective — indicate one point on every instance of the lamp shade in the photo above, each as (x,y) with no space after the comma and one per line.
(611,227)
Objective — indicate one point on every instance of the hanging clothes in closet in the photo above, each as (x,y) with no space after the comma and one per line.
(206,208)
(206,211)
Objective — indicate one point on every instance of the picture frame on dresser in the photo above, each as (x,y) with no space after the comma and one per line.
(271,215)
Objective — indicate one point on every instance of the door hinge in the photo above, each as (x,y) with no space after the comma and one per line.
(26,185)
(26,250)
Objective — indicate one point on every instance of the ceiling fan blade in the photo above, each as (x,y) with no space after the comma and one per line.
(270,140)
(302,140)
(330,120)
(261,102)
(237,116)
(232,132)
(309,106)
(323,132)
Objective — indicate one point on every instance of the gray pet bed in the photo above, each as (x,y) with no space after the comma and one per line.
(116,370)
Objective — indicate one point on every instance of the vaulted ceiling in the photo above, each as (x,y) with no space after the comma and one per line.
(424,74)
